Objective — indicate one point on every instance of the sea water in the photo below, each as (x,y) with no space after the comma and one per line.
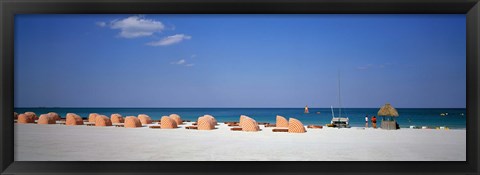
(430,117)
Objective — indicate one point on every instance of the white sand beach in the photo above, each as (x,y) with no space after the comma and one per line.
(88,143)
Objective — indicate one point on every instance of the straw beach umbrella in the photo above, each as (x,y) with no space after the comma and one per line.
(390,113)
(388,110)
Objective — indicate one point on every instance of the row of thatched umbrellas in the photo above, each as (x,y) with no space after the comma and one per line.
(206,122)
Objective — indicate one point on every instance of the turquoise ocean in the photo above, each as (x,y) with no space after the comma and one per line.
(456,118)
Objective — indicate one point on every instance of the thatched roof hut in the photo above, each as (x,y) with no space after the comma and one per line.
(102,120)
(177,118)
(145,119)
(92,117)
(250,125)
(205,123)
(132,122)
(116,118)
(295,126)
(55,116)
(281,121)
(46,119)
(168,123)
(388,110)
(24,118)
(73,119)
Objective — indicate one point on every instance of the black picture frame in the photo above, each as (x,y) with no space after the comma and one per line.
(8,8)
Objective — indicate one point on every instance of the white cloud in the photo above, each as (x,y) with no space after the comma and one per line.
(169,40)
(193,56)
(101,24)
(182,61)
(136,26)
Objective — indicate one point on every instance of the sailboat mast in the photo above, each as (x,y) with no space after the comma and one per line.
(339,97)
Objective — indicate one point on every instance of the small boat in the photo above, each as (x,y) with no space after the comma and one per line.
(306,110)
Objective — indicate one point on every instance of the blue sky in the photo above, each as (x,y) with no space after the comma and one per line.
(240,60)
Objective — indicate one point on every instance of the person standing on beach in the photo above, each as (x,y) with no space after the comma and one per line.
(374,122)
(366,121)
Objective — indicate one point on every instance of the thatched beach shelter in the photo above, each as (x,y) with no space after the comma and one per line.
(213,119)
(102,120)
(92,117)
(116,118)
(205,123)
(242,120)
(73,119)
(32,115)
(24,118)
(281,121)
(177,118)
(388,113)
(248,124)
(145,119)
(55,116)
(295,126)
(46,119)
(132,122)
(168,123)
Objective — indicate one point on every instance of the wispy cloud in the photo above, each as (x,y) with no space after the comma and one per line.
(135,26)
(101,24)
(169,40)
(193,56)
(182,62)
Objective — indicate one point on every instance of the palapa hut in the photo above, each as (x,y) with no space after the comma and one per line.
(24,118)
(145,119)
(73,119)
(213,119)
(32,115)
(92,117)
(281,121)
(295,126)
(205,123)
(46,119)
(102,120)
(116,118)
(168,123)
(177,118)
(388,114)
(248,124)
(55,116)
(132,122)
(242,119)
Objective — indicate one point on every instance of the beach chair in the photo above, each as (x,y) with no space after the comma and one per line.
(154,127)
(118,124)
(270,125)
(280,130)
(191,127)
(236,129)
(315,126)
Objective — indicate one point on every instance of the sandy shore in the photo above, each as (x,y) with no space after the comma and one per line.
(88,143)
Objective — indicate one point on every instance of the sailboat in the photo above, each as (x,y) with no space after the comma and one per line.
(306,110)
(340,122)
